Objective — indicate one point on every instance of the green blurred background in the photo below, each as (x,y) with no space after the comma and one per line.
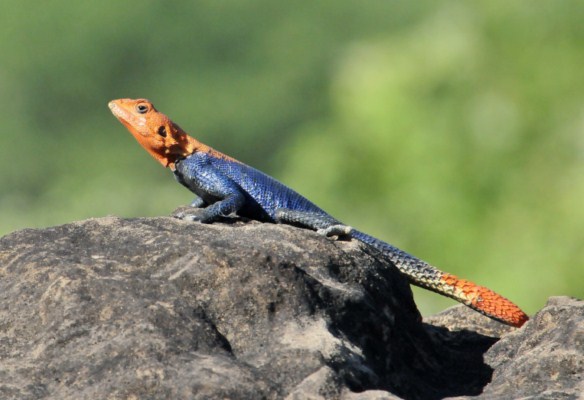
(453,129)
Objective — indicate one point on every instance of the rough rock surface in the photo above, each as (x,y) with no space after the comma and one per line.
(155,308)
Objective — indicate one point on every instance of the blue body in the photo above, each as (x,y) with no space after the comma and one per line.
(214,179)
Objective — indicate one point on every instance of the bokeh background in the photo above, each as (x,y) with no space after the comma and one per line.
(452,129)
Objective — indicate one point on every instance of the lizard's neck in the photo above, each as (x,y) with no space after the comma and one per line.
(189,145)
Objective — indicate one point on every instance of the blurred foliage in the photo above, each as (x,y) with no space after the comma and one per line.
(453,130)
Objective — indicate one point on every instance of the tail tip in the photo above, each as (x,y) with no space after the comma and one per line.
(498,307)
(485,301)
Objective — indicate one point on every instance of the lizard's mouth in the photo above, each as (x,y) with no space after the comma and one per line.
(119,113)
(115,109)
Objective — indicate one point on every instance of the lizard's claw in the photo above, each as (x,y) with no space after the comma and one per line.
(192,215)
(336,230)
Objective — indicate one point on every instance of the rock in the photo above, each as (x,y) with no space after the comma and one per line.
(542,360)
(545,360)
(155,308)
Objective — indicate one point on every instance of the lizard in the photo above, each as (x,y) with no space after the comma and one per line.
(225,186)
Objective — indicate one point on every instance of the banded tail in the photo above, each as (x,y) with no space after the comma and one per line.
(422,274)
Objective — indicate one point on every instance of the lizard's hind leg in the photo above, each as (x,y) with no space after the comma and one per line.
(322,224)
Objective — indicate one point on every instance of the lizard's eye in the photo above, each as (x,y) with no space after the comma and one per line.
(162,131)
(142,108)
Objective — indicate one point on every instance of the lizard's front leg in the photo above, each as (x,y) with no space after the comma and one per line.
(322,224)
(228,195)
(222,208)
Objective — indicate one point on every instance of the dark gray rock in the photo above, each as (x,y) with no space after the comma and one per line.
(542,360)
(155,308)
(545,360)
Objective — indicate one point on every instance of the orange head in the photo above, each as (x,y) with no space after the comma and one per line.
(161,137)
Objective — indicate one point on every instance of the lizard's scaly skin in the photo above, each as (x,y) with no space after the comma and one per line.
(225,185)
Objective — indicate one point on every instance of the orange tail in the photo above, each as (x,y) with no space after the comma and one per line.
(484,300)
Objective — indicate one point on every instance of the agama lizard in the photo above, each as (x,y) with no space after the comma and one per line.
(225,186)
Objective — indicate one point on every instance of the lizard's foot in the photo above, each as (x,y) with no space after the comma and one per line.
(335,230)
(193,215)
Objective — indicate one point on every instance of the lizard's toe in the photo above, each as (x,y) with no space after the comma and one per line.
(335,230)
(192,216)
